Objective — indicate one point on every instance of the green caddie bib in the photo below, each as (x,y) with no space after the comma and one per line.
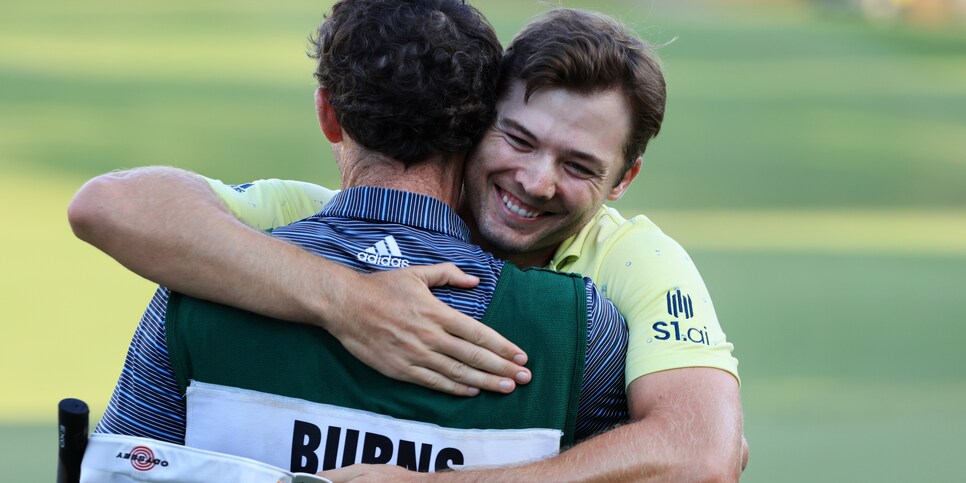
(290,395)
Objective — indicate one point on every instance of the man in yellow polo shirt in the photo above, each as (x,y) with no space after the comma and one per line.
(650,278)
(534,189)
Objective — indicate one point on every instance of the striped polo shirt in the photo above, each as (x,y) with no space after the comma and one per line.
(371,229)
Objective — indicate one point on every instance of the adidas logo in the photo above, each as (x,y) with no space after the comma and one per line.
(384,253)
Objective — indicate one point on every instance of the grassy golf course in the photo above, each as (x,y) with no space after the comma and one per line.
(813,164)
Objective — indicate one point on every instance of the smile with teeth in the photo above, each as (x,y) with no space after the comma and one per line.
(516,209)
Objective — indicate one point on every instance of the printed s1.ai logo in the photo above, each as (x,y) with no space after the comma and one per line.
(693,334)
(679,304)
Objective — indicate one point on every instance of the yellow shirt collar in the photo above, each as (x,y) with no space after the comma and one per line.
(570,249)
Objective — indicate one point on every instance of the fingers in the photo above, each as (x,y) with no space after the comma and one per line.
(438,382)
(344,474)
(339,475)
(487,349)
(479,367)
(445,274)
(457,364)
(369,472)
(429,343)
(414,367)
(408,359)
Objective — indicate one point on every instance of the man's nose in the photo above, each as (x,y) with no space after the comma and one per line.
(538,178)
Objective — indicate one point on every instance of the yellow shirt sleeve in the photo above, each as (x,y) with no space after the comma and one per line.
(655,285)
(270,203)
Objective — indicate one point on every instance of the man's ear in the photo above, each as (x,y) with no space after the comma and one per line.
(328,121)
(618,191)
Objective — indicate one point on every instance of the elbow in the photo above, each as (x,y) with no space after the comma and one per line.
(90,211)
(712,472)
(716,464)
(721,467)
(744,453)
(84,209)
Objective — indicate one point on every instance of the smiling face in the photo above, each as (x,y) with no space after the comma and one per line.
(544,168)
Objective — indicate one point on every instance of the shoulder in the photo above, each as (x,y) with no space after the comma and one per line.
(637,264)
(270,203)
(615,232)
(612,244)
(272,188)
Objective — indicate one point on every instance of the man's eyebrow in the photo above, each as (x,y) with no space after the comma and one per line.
(510,123)
(505,122)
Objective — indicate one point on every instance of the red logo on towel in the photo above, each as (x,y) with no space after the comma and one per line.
(142,458)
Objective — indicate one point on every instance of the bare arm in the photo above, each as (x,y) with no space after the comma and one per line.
(167,225)
(687,427)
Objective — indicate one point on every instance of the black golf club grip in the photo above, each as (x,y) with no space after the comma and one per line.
(72,418)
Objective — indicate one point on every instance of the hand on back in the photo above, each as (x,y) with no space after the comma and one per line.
(392,322)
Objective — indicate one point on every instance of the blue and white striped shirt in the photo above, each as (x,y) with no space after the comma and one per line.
(372,229)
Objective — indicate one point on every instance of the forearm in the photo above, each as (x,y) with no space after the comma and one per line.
(618,455)
(692,434)
(168,226)
(652,449)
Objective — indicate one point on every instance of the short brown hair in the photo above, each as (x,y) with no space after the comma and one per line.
(409,78)
(588,52)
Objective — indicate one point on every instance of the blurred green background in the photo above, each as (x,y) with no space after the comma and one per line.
(812,161)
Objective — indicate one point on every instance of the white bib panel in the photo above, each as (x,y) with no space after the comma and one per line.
(307,436)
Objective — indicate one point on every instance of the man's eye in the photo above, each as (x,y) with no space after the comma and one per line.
(579,169)
(517,142)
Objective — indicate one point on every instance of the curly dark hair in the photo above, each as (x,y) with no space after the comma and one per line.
(409,78)
(588,52)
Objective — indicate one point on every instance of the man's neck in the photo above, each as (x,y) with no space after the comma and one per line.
(539,259)
(440,177)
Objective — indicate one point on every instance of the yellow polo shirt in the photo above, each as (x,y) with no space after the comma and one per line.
(647,275)
(657,289)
